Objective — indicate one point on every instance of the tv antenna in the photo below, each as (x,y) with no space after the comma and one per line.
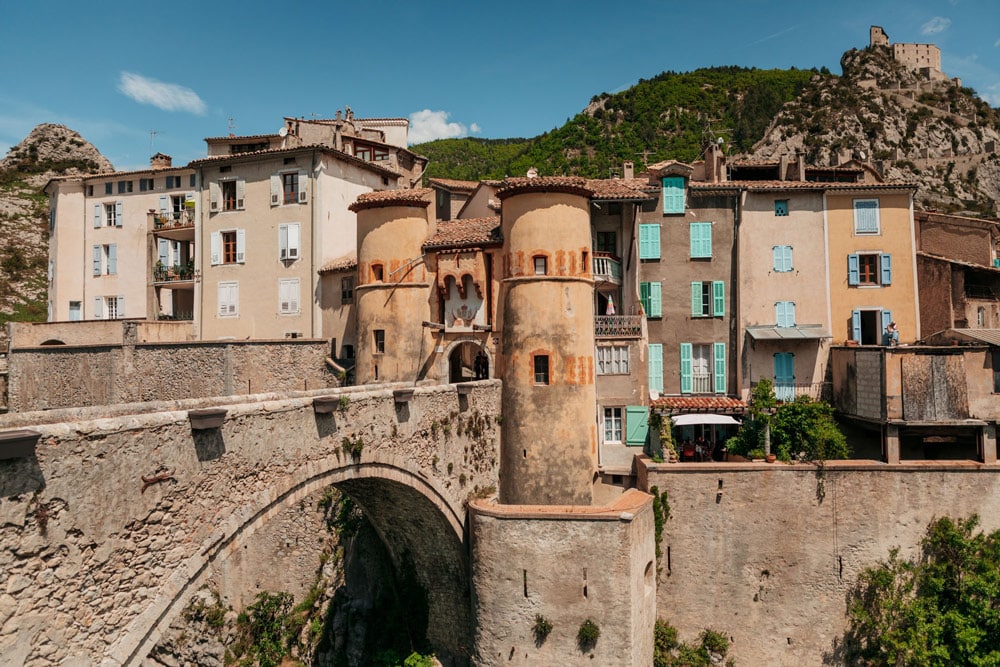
(152,133)
(231,125)
(645,153)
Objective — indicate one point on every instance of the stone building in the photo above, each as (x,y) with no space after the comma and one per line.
(922,58)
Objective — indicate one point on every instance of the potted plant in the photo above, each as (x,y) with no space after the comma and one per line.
(159,271)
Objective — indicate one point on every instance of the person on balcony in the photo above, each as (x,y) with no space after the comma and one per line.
(891,337)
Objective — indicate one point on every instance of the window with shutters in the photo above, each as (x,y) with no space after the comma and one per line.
(673,194)
(784,313)
(869,269)
(649,241)
(541,368)
(608,241)
(288,241)
(106,259)
(708,298)
(229,247)
(654,353)
(145,184)
(612,424)
(114,307)
(782,255)
(229,299)
(781,207)
(784,376)
(703,368)
(290,187)
(288,296)
(701,240)
(228,195)
(124,187)
(347,290)
(173,182)
(866,216)
(612,360)
(651,296)
(111,216)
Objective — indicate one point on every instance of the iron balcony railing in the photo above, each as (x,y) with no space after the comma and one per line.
(618,326)
(786,392)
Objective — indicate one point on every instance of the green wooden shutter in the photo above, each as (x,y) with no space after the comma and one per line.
(685,368)
(719,357)
(644,291)
(718,298)
(655,300)
(649,241)
(655,367)
(636,424)
(701,239)
(696,305)
(673,194)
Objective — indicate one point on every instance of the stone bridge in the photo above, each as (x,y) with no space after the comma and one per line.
(121,512)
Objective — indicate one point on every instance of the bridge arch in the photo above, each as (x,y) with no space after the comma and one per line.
(409,511)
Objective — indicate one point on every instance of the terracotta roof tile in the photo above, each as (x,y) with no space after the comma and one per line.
(340,155)
(800,185)
(380,198)
(242,137)
(617,188)
(454,184)
(682,404)
(751,162)
(571,184)
(465,232)
(346,263)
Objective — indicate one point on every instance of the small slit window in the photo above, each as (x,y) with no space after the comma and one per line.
(541,369)
(541,265)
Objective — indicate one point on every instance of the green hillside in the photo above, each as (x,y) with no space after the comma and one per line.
(671,115)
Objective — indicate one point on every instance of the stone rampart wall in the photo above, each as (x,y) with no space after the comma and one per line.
(119,517)
(767,553)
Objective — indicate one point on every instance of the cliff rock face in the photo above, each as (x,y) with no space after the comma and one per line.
(934,133)
(48,150)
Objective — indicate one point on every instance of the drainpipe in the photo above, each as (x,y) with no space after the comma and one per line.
(314,249)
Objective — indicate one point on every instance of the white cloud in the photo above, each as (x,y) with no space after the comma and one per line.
(997,43)
(991,95)
(935,25)
(166,96)
(427,125)
(475,129)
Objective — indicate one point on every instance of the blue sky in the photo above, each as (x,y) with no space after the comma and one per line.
(114,70)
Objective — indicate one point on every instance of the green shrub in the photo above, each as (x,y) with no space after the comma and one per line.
(541,628)
(588,635)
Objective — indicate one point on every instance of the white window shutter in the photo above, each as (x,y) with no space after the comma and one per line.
(121,307)
(303,187)
(98,212)
(275,189)
(97,260)
(119,206)
(164,203)
(214,196)
(175,247)
(98,308)
(241,246)
(112,259)
(293,240)
(283,242)
(223,297)
(241,193)
(216,248)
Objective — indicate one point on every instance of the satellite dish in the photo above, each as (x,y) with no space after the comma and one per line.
(861,154)
(283,132)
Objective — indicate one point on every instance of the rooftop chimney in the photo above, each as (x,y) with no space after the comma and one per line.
(783,167)
(160,161)
(628,169)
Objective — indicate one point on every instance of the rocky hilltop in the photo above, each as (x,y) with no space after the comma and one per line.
(48,150)
(935,133)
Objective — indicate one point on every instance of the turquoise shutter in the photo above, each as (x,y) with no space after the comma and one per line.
(853,270)
(649,241)
(655,300)
(718,298)
(685,368)
(779,314)
(636,424)
(782,258)
(112,259)
(886,262)
(856,325)
(701,239)
(644,297)
(673,194)
(719,357)
(777,258)
(696,307)
(784,376)
(655,367)
(97,260)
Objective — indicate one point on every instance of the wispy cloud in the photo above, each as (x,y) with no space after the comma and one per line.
(935,25)
(772,36)
(166,96)
(997,43)
(427,125)
(991,95)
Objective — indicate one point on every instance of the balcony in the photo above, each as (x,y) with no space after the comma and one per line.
(179,316)
(618,326)
(787,392)
(178,226)
(177,276)
(607,268)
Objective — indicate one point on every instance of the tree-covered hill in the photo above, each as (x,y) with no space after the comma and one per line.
(671,115)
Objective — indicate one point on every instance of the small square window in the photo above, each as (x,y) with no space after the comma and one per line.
(541,369)
(90,190)
(379,341)
(377,273)
(347,290)
(107,188)
(191,181)
(541,266)
(781,207)
(226,169)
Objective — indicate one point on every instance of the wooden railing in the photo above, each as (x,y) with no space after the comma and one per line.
(607,267)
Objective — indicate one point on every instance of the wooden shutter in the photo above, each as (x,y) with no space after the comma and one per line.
(120,306)
(886,318)
(636,424)
(655,300)
(164,204)
(293,240)
(685,368)
(853,270)
(856,325)
(866,216)
(644,291)
(303,187)
(97,260)
(785,313)
(649,241)
(655,367)
(719,358)
(119,206)
(673,194)
(784,367)
(214,197)
(163,252)
(701,239)
(241,193)
(776,258)
(276,193)
(885,261)
(283,242)
(696,305)
(112,259)
(241,246)
(98,212)
(216,257)
(782,256)
(718,298)
(98,307)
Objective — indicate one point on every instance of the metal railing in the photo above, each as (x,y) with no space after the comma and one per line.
(786,392)
(701,383)
(618,326)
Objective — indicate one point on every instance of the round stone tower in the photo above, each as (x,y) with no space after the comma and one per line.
(549,432)
(393,292)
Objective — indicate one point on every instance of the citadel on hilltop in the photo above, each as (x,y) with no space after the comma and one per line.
(922,58)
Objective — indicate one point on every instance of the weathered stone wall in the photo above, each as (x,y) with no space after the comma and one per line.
(42,378)
(752,550)
(567,564)
(97,562)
